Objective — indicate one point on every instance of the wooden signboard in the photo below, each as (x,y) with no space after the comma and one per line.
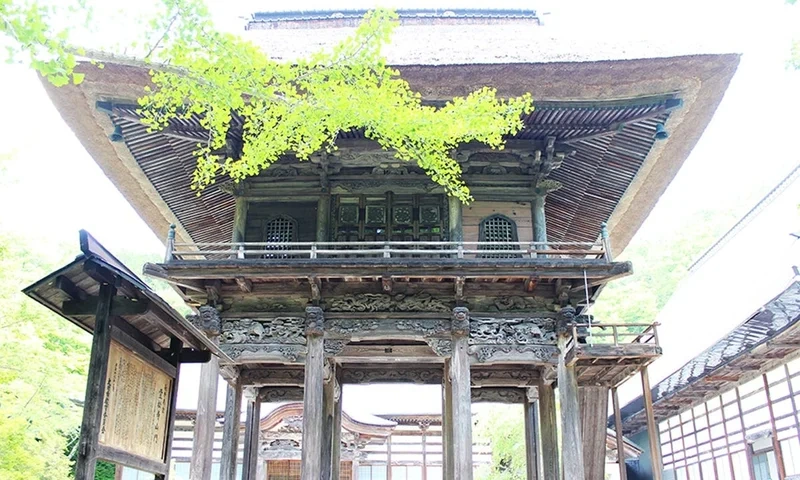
(136,405)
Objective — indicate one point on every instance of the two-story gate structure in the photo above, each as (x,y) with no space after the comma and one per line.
(354,267)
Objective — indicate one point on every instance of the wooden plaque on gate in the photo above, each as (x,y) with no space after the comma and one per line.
(136,405)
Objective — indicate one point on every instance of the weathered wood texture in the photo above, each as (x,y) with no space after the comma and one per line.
(251,438)
(336,434)
(323,218)
(593,402)
(304,213)
(174,358)
(230,432)
(461,410)
(329,414)
(313,419)
(447,422)
(571,442)
(623,472)
(455,218)
(205,423)
(93,401)
(549,432)
(240,220)
(652,428)
(532,439)
(539,219)
(519,212)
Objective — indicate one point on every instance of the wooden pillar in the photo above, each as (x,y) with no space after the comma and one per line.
(239,220)
(174,358)
(423,427)
(447,423)
(336,439)
(532,435)
(313,422)
(323,218)
(539,218)
(593,403)
(389,457)
(251,436)
(454,215)
(461,396)
(95,383)
(623,473)
(549,431)
(571,442)
(776,443)
(331,440)
(652,429)
(205,422)
(230,432)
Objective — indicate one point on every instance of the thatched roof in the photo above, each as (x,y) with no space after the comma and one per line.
(440,61)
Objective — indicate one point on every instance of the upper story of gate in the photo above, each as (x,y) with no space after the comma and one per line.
(606,138)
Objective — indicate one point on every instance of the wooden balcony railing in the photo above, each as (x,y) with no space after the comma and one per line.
(389,249)
(616,334)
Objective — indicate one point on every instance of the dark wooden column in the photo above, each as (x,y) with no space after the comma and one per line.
(571,442)
(95,383)
(532,434)
(239,220)
(251,436)
(623,472)
(549,431)
(461,396)
(323,217)
(331,440)
(652,429)
(447,422)
(593,402)
(205,422)
(336,437)
(313,423)
(455,222)
(539,219)
(230,432)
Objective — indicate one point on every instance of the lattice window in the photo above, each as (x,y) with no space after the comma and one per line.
(502,232)
(281,229)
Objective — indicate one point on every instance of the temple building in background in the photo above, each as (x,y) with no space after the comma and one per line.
(356,268)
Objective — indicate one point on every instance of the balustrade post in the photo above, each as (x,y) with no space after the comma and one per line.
(169,255)
(606,241)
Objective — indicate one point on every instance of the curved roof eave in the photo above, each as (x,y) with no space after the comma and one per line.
(699,80)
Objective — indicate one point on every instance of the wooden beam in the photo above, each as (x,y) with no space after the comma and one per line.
(70,289)
(572,443)
(190,355)
(230,432)
(336,434)
(623,472)
(311,458)
(593,403)
(95,383)
(120,306)
(205,422)
(652,428)
(447,422)
(461,396)
(251,437)
(532,437)
(174,358)
(239,220)
(549,431)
